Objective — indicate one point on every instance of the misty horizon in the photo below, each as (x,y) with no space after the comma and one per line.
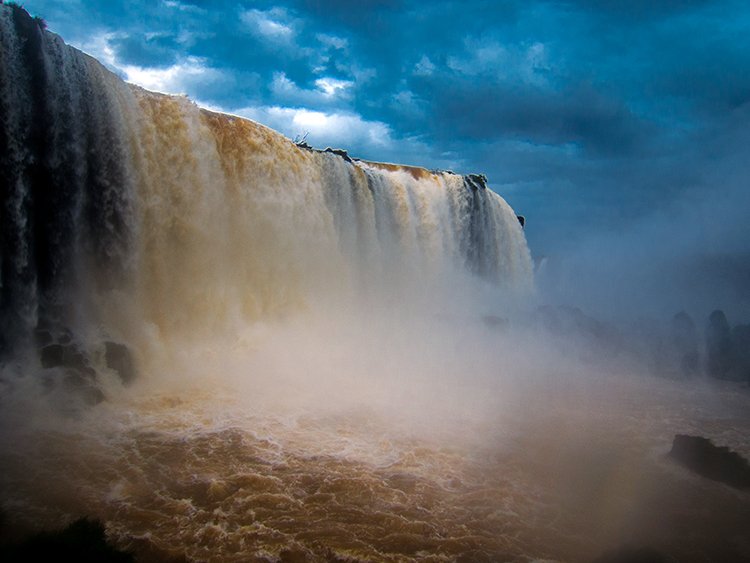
(220,341)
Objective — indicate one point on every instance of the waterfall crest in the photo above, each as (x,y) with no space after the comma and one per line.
(126,209)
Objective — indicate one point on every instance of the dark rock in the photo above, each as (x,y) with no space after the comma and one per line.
(718,346)
(66,337)
(340,152)
(577,333)
(83,386)
(684,342)
(741,347)
(65,356)
(83,541)
(493,321)
(476,181)
(51,356)
(547,317)
(713,462)
(43,337)
(522,220)
(633,555)
(120,360)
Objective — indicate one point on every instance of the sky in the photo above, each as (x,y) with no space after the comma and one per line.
(620,129)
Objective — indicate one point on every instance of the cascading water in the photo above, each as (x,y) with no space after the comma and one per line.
(122,208)
(316,382)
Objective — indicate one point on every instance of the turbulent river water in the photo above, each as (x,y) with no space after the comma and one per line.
(315,380)
(555,467)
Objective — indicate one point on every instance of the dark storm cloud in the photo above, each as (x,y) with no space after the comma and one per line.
(158,50)
(589,116)
(579,116)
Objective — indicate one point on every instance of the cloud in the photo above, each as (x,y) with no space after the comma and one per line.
(369,140)
(587,115)
(579,115)
(150,49)
(274,24)
(327,91)
(334,129)
(424,67)
(187,75)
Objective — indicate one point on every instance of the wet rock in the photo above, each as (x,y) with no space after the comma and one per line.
(578,334)
(66,356)
(340,152)
(684,344)
(493,321)
(43,337)
(741,346)
(718,346)
(713,462)
(51,356)
(84,387)
(66,337)
(547,318)
(476,181)
(120,360)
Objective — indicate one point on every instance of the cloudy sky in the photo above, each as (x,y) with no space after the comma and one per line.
(602,121)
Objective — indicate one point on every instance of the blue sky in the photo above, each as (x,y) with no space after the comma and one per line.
(594,119)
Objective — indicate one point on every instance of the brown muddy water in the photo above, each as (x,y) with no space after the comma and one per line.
(556,468)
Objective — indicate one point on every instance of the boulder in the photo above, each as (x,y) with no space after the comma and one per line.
(719,351)
(339,152)
(718,463)
(476,181)
(495,322)
(83,386)
(741,347)
(120,360)
(67,355)
(684,344)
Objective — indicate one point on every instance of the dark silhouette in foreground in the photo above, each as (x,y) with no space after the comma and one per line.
(84,541)
(713,462)
(633,555)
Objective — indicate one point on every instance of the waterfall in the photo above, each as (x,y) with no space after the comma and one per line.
(140,212)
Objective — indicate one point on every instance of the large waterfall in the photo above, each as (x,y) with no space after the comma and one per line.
(122,208)
(331,359)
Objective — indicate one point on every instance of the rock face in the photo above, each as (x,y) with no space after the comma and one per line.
(75,366)
(578,333)
(741,346)
(340,152)
(713,462)
(67,364)
(120,360)
(718,346)
(684,344)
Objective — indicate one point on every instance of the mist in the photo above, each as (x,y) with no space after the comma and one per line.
(227,346)
(687,250)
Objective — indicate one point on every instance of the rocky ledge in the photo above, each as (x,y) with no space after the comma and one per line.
(718,463)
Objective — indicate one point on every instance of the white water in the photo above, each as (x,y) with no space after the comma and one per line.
(315,381)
